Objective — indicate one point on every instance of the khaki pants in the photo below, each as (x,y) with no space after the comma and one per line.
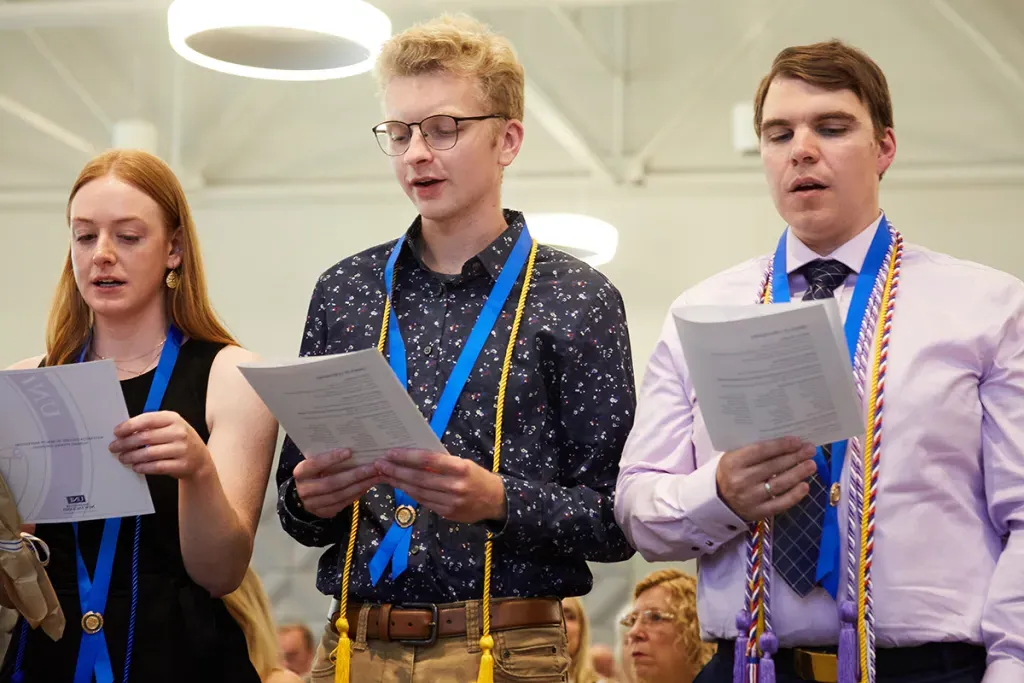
(536,655)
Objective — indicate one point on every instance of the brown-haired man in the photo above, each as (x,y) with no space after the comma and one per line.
(940,580)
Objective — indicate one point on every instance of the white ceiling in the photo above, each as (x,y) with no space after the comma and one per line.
(620,92)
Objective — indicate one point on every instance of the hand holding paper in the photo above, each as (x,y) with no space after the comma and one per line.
(56,425)
(328,483)
(767,372)
(347,401)
(455,488)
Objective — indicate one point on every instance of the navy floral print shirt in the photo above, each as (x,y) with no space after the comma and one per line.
(569,406)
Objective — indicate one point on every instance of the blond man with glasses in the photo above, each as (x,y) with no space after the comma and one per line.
(451,565)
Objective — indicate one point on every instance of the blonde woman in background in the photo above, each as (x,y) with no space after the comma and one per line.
(250,607)
(663,641)
(577,630)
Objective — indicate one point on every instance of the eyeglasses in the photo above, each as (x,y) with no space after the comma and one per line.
(440,131)
(649,617)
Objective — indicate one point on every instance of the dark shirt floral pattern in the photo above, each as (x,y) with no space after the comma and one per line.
(569,407)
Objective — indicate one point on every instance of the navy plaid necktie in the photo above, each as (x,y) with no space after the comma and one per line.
(797,538)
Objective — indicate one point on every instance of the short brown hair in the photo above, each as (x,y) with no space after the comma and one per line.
(460,46)
(683,590)
(832,65)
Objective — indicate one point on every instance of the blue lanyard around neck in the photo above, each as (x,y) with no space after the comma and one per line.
(394,548)
(828,558)
(93,657)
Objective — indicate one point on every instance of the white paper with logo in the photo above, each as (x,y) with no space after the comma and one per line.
(56,427)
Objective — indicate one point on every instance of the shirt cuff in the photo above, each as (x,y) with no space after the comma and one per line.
(291,505)
(497,527)
(521,509)
(714,521)
(1004,670)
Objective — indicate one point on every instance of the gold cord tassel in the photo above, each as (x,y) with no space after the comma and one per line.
(486,673)
(343,653)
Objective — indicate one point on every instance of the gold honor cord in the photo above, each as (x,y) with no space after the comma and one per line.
(343,653)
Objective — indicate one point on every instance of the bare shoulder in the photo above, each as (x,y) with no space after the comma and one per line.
(228,358)
(28,363)
(230,395)
(282,676)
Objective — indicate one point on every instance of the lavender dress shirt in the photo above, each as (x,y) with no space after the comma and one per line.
(949,547)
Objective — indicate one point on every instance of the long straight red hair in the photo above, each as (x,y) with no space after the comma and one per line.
(188,305)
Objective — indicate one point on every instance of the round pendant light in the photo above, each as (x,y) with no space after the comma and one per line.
(293,40)
(589,239)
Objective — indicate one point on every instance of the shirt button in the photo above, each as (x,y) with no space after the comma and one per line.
(428,350)
(414,551)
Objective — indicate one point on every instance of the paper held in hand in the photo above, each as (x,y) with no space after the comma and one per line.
(764,372)
(350,400)
(56,427)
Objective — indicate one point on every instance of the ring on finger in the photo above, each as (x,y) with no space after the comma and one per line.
(768,488)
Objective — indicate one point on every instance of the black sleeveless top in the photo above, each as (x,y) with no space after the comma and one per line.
(181,632)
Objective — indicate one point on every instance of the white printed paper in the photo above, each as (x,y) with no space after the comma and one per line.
(56,427)
(767,371)
(350,400)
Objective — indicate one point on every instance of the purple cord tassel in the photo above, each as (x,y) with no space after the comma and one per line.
(848,654)
(739,658)
(766,669)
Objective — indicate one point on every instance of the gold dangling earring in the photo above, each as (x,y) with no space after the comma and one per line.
(172,280)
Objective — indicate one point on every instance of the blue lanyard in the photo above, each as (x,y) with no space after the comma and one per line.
(93,657)
(394,548)
(828,559)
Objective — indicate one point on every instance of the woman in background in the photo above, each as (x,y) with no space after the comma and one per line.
(141,598)
(250,607)
(663,641)
(577,631)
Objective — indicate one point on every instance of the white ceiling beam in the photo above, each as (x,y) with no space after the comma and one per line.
(619,84)
(45,125)
(694,92)
(69,79)
(552,119)
(573,30)
(51,13)
(982,42)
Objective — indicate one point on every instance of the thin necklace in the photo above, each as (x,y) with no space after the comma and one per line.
(119,363)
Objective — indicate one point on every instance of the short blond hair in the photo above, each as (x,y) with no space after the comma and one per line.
(682,588)
(461,46)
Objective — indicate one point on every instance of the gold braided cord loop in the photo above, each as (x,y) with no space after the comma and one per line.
(342,654)
(486,641)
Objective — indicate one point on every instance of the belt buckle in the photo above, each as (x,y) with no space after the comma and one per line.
(821,667)
(434,619)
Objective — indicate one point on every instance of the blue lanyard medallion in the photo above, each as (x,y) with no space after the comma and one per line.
(394,548)
(93,657)
(828,558)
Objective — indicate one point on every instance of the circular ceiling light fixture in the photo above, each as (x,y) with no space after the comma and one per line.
(288,40)
(587,238)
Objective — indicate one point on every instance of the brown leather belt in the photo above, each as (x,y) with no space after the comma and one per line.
(423,624)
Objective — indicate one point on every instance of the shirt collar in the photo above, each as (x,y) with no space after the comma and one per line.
(851,254)
(492,257)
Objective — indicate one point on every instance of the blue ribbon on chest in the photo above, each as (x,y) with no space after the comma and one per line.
(828,556)
(93,657)
(394,548)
